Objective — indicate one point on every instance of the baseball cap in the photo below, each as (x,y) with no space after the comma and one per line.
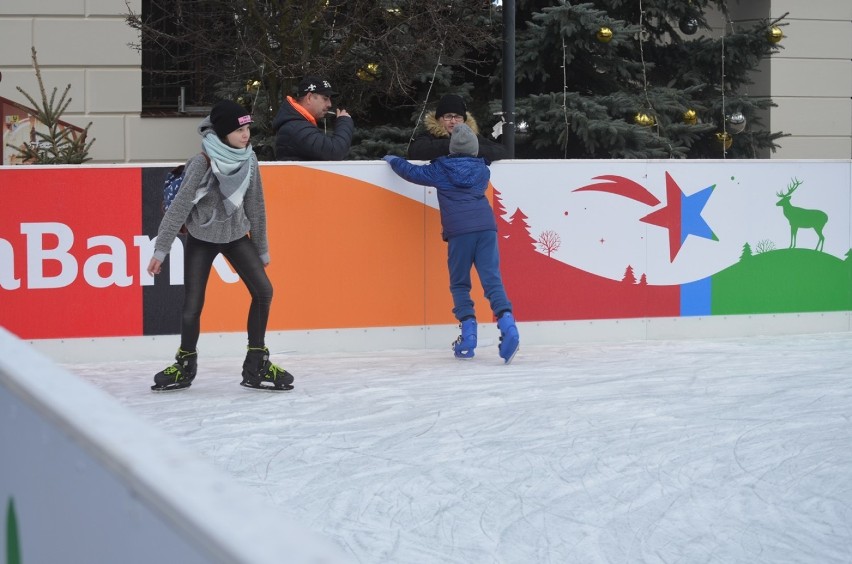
(316,85)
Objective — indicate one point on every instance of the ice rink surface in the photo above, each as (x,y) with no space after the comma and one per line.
(692,451)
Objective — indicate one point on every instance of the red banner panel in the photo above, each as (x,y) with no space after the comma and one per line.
(69,264)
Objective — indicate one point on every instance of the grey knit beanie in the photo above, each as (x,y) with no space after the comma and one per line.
(463,141)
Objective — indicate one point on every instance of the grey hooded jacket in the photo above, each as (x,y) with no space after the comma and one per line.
(207,219)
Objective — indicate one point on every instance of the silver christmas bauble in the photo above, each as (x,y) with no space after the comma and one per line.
(736,123)
(688,25)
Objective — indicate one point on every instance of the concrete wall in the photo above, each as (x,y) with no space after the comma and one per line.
(810,80)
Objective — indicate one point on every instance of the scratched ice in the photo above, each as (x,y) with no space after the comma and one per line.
(710,451)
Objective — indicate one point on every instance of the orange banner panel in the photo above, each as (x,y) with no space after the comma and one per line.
(344,253)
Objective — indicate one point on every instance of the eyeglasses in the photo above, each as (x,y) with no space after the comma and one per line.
(452,117)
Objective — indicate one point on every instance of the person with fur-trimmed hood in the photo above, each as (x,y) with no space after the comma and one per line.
(435,141)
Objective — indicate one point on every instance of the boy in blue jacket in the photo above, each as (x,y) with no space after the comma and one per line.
(470,230)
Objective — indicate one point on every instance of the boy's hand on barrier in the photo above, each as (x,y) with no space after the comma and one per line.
(389,158)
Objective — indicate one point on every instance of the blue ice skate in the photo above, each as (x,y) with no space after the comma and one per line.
(509,339)
(466,342)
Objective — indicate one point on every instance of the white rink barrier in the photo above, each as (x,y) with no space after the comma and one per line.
(438,337)
(82,480)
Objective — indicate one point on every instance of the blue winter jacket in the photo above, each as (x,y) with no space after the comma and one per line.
(461,182)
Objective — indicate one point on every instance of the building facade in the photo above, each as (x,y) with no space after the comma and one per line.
(810,80)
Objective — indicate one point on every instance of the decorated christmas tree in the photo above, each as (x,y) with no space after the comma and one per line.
(640,79)
(597,79)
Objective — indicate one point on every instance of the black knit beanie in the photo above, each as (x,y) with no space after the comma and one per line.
(451,104)
(228,116)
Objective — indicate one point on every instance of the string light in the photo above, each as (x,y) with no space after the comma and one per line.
(724,121)
(651,111)
(420,119)
(428,92)
(565,96)
(642,57)
(745,86)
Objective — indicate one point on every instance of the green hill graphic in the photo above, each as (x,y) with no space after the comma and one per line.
(783,281)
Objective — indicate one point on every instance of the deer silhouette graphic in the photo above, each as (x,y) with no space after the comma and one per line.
(801,218)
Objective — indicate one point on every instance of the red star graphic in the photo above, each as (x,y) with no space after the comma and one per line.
(668,217)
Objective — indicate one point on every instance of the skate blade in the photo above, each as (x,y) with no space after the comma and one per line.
(515,345)
(169,388)
(511,356)
(261,387)
(461,354)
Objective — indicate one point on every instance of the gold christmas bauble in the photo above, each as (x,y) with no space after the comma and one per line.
(604,34)
(368,72)
(643,119)
(774,35)
(690,117)
(252,86)
(724,139)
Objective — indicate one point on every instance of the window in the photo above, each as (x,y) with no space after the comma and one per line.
(172,78)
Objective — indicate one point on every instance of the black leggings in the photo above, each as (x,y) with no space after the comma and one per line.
(198,261)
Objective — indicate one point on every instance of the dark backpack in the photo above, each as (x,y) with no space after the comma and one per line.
(172,183)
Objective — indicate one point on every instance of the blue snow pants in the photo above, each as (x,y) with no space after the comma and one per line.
(477,249)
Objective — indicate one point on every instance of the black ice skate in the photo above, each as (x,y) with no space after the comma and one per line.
(179,375)
(261,374)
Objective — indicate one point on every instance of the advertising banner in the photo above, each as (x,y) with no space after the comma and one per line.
(352,245)
(621,239)
(68,262)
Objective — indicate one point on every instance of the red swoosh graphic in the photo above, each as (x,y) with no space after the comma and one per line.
(621,186)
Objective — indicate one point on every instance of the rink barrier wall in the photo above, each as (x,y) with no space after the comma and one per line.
(588,249)
(438,337)
(84,480)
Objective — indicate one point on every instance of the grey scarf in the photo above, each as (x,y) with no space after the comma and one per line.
(233,169)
